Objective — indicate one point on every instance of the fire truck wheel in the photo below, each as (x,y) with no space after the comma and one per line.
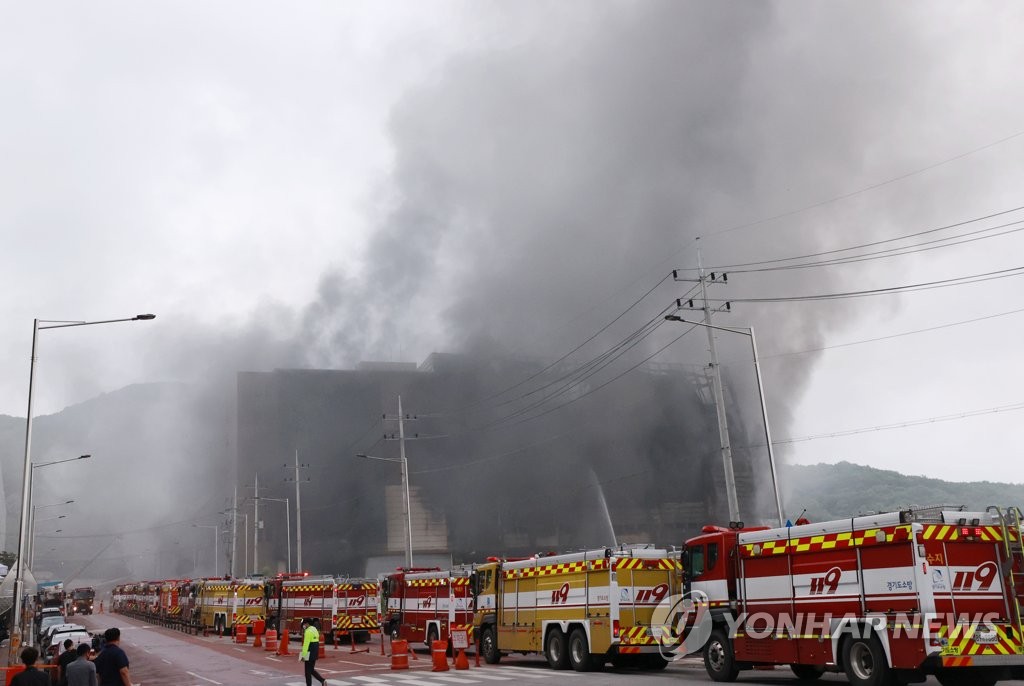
(865,664)
(555,649)
(807,672)
(489,646)
(719,660)
(579,651)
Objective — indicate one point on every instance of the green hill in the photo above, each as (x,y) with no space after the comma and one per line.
(833,491)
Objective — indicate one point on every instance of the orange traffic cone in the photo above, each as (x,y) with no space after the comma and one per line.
(282,648)
(461,662)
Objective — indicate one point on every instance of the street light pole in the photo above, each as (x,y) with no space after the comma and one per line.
(19,577)
(31,554)
(749,331)
(405,488)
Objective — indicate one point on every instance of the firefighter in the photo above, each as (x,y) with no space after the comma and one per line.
(311,650)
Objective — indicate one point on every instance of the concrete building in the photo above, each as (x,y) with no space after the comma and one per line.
(638,461)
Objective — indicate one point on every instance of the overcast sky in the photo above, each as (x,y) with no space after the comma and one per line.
(311,184)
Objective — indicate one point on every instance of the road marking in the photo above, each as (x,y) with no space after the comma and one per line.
(452,679)
(167,661)
(527,672)
(276,660)
(475,673)
(199,676)
(413,681)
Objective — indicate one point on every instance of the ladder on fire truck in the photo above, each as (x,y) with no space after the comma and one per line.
(1011,522)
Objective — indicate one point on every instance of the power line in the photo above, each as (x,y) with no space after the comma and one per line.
(926,246)
(606,383)
(867,188)
(895,335)
(563,357)
(898,425)
(907,288)
(591,368)
(871,244)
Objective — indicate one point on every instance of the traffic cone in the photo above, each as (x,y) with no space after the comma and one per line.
(461,662)
(282,648)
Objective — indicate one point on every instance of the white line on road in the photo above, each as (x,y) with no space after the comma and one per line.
(167,661)
(199,676)
(475,673)
(452,679)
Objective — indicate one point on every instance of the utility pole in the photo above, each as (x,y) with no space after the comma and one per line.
(716,383)
(405,485)
(256,525)
(234,531)
(298,509)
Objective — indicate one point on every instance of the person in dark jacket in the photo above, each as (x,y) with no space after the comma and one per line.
(82,672)
(112,663)
(31,676)
(66,658)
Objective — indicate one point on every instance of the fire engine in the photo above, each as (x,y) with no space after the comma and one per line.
(425,605)
(357,603)
(295,596)
(578,609)
(227,603)
(881,597)
(81,601)
(349,606)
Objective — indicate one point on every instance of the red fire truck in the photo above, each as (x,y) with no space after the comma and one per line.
(882,597)
(358,608)
(425,605)
(295,596)
(342,607)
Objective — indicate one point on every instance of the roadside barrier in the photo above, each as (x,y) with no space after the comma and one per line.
(241,636)
(9,672)
(399,654)
(438,650)
(352,638)
(270,645)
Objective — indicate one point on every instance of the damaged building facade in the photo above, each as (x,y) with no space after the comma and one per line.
(490,472)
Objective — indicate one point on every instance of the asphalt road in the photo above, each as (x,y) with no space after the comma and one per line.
(163,657)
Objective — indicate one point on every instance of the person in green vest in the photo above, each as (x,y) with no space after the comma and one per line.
(311,650)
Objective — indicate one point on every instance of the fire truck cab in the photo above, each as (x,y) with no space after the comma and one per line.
(882,597)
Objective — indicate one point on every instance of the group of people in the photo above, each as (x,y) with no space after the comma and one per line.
(76,667)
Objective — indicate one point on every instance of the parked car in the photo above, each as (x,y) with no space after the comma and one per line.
(56,645)
(49,621)
(57,629)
